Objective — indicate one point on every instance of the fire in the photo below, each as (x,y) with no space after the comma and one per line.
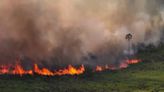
(4,69)
(19,70)
(43,71)
(123,65)
(103,68)
(133,61)
(70,70)
(99,68)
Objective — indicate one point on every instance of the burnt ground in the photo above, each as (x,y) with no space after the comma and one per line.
(147,76)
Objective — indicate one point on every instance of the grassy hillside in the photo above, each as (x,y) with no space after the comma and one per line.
(147,76)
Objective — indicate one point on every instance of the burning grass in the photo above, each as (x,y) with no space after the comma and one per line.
(17,69)
(146,76)
(142,77)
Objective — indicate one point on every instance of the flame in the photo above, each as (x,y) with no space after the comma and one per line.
(103,68)
(4,69)
(99,68)
(123,65)
(70,70)
(133,61)
(19,70)
(43,71)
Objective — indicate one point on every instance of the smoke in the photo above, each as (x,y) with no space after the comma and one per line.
(76,31)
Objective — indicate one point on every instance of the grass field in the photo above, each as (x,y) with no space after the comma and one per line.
(147,76)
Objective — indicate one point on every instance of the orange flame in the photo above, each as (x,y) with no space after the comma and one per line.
(19,70)
(4,69)
(99,68)
(133,61)
(70,70)
(43,71)
(123,65)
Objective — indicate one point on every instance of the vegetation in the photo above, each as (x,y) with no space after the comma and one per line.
(147,76)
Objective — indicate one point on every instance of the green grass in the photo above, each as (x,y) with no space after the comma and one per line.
(147,76)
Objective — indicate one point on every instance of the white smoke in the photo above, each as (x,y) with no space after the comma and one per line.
(67,31)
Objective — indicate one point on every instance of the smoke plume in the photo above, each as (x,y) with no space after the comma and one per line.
(77,31)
